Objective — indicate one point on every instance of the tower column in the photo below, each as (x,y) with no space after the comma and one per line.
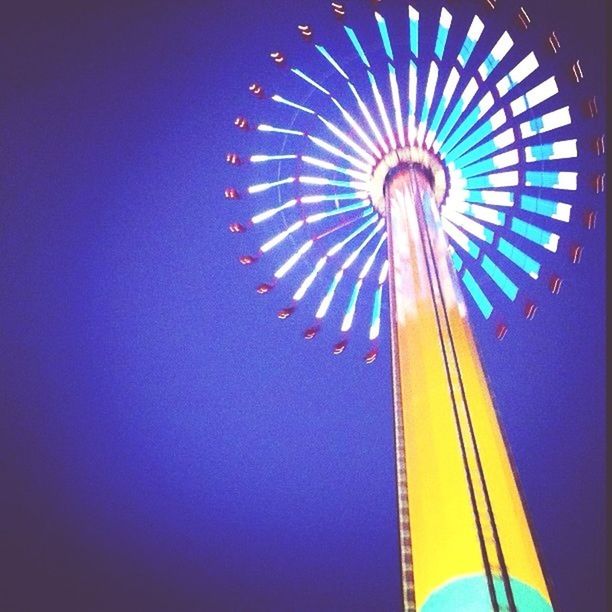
(464,537)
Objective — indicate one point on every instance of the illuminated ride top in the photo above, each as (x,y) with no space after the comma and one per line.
(441,166)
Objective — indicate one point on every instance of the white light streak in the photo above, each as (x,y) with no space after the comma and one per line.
(262,127)
(320,163)
(282,100)
(550,121)
(360,131)
(535,96)
(520,72)
(309,80)
(293,259)
(368,117)
(267,214)
(348,141)
(382,110)
(270,244)
(499,51)
(356,163)
(265,186)
(264,158)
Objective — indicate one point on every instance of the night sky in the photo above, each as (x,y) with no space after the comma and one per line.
(167,442)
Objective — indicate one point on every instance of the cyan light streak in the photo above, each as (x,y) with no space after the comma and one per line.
(520,258)
(350,260)
(347,321)
(473,34)
(323,181)
(483,213)
(499,277)
(445,23)
(276,240)
(492,198)
(323,51)
(307,282)
(481,300)
(457,261)
(280,273)
(460,105)
(486,129)
(547,208)
(553,180)
(314,199)
(562,149)
(461,159)
(370,262)
(470,225)
(459,132)
(499,51)
(413,17)
(357,45)
(535,234)
(384,34)
(500,179)
(412,95)
(502,160)
(375,324)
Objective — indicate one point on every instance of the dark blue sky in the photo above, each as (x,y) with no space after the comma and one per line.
(169,444)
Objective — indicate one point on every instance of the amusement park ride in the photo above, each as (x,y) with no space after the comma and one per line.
(437,162)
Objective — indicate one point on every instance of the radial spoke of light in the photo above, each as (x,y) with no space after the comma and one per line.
(309,80)
(368,159)
(325,303)
(432,79)
(485,130)
(286,102)
(267,214)
(347,321)
(499,51)
(445,23)
(326,146)
(382,110)
(320,163)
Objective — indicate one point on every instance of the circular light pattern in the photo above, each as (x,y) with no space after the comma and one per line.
(487,119)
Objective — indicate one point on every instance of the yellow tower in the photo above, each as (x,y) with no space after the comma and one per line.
(465,540)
